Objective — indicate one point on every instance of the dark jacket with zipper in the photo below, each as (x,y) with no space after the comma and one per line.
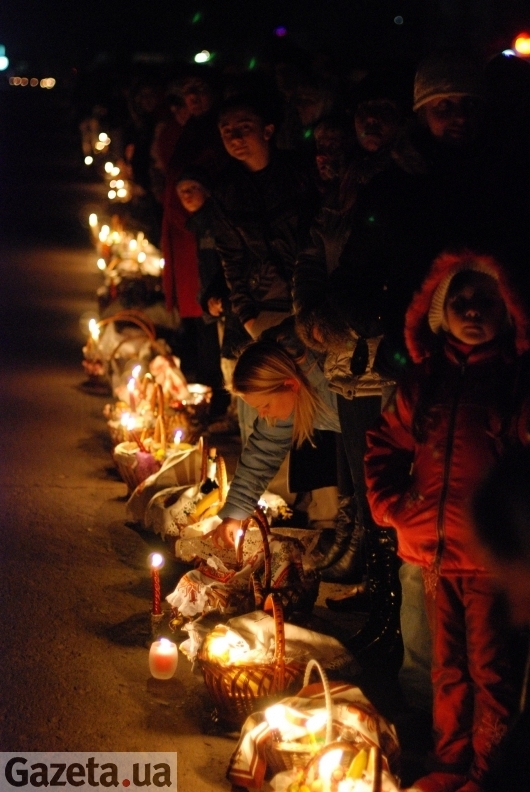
(260,221)
(475,404)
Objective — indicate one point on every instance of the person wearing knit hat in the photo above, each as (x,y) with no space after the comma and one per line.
(449,97)
(459,408)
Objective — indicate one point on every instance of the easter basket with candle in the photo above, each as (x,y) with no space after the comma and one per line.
(238,686)
(235,581)
(118,341)
(330,719)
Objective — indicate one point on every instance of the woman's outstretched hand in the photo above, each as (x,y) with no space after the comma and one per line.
(225,533)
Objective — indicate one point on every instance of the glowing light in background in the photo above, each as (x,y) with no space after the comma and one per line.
(522,44)
(398,20)
(33,82)
(196,18)
(101,264)
(89,160)
(202,57)
(109,167)
(4,62)
(280,31)
(93,220)
(252,63)
(509,53)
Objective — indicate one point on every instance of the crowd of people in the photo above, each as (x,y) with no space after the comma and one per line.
(356,263)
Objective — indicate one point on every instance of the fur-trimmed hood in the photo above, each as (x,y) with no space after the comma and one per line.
(419,337)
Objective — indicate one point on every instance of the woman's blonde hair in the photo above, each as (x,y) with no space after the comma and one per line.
(263,367)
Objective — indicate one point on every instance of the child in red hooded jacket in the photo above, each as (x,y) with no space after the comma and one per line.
(463,404)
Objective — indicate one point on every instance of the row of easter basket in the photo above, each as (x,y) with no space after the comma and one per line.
(266,573)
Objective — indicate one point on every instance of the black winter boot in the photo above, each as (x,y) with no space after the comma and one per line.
(351,566)
(344,527)
(381,632)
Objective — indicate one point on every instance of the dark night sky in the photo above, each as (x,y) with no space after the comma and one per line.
(74,31)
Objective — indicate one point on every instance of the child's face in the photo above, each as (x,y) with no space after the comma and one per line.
(192,195)
(376,124)
(475,311)
(274,406)
(245,136)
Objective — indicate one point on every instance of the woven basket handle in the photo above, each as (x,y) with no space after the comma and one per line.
(263,525)
(160,432)
(313,664)
(273,603)
(133,317)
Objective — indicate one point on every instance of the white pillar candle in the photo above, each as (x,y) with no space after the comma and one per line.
(163,658)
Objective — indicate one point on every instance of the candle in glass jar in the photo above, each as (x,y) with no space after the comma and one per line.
(163,658)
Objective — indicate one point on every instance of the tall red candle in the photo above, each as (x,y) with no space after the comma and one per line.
(157,561)
(155,574)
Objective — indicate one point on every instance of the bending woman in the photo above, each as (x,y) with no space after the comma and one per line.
(284,382)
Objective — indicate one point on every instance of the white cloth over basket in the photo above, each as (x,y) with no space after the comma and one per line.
(180,470)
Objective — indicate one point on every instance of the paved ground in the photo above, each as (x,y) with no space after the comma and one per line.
(74,582)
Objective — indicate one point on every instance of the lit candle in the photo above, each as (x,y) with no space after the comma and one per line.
(237,542)
(136,371)
(157,562)
(178,436)
(163,658)
(328,766)
(130,387)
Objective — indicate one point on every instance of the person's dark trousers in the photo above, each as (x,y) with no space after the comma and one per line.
(382,627)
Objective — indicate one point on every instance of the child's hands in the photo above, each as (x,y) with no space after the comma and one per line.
(215,306)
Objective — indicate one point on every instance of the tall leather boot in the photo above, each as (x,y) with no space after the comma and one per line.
(351,566)
(344,527)
(381,633)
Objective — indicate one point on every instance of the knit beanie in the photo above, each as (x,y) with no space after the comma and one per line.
(446,75)
(436,315)
(197,174)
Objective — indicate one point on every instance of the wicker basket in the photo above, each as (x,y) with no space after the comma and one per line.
(238,689)
(349,751)
(100,369)
(286,755)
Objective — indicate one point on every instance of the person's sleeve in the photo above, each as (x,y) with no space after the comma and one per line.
(388,460)
(310,274)
(260,460)
(234,255)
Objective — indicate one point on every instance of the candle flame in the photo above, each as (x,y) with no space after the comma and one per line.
(124,420)
(178,436)
(136,371)
(93,329)
(156,560)
(276,718)
(131,385)
(165,646)
(93,220)
(102,264)
(329,763)
(316,722)
(219,646)
(131,423)
(109,167)
(103,234)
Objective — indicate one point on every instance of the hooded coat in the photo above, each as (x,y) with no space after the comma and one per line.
(453,416)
